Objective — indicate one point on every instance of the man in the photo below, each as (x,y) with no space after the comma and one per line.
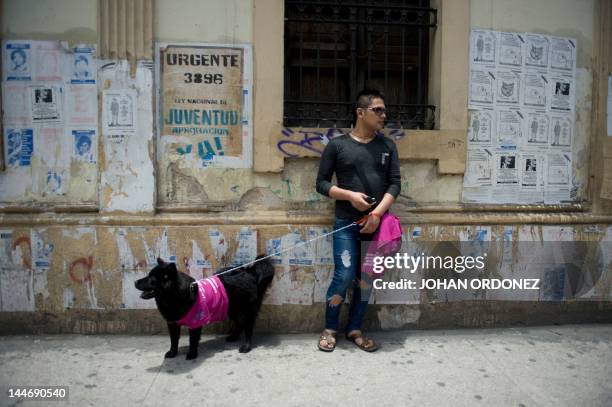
(81,68)
(19,59)
(366,165)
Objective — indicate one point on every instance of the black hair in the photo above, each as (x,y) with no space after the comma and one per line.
(20,52)
(83,139)
(81,58)
(364,100)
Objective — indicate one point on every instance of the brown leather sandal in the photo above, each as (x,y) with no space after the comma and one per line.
(366,344)
(330,339)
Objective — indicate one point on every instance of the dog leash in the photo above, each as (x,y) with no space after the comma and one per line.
(291,248)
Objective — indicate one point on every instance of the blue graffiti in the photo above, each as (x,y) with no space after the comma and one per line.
(205,149)
(315,140)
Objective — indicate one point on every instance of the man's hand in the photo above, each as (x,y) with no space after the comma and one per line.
(358,200)
(370,224)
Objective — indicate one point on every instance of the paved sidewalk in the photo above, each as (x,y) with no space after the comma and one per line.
(532,366)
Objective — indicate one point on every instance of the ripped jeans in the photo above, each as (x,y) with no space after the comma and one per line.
(347,273)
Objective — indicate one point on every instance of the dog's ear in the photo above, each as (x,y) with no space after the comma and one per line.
(160,261)
(172,270)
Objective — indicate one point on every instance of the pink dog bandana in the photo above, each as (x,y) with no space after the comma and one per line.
(210,306)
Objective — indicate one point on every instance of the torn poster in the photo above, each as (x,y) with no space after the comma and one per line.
(82,106)
(48,61)
(15,104)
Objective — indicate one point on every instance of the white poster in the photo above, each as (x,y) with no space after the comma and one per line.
(479,168)
(531,167)
(511,50)
(563,55)
(15,103)
(48,61)
(46,103)
(535,90)
(83,65)
(562,94)
(482,86)
(559,169)
(508,88)
(537,47)
(509,129)
(481,125)
(537,129)
(483,44)
(82,106)
(84,145)
(558,178)
(119,111)
(561,131)
(17,61)
(507,170)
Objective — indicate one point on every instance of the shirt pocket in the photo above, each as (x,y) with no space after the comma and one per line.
(383,161)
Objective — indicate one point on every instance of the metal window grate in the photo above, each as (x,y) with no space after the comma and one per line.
(334,48)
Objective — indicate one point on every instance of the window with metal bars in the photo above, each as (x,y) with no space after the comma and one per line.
(335,48)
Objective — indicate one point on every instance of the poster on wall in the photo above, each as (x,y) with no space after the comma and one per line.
(118,111)
(83,66)
(46,103)
(17,61)
(203,102)
(19,146)
(530,89)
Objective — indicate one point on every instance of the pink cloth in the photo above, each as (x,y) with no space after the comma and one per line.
(210,306)
(386,241)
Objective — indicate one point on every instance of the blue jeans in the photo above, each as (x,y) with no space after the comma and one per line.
(347,273)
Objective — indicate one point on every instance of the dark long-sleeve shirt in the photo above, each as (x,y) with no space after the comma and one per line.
(379,163)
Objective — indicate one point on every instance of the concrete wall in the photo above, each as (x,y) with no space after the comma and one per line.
(74,272)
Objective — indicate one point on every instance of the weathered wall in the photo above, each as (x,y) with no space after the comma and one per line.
(75,272)
(61,272)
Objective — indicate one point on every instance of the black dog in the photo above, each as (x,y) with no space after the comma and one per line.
(175,293)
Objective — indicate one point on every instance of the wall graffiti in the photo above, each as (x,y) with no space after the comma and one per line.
(205,149)
(295,142)
(80,270)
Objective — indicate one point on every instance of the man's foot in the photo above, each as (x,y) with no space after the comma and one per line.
(361,341)
(327,340)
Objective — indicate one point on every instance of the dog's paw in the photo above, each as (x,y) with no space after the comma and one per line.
(171,354)
(191,355)
(245,348)
(232,338)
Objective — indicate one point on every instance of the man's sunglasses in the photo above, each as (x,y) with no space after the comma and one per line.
(378,110)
